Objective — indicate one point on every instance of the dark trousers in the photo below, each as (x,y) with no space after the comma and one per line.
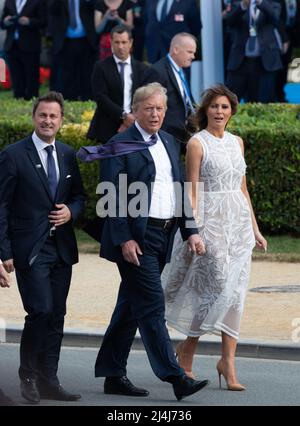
(24,72)
(140,305)
(44,289)
(77,59)
(252,82)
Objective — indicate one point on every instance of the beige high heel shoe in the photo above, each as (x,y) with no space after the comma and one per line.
(185,360)
(230,386)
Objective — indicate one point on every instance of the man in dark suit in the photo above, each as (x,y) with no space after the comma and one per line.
(23,20)
(41,196)
(71,26)
(255,55)
(165,19)
(168,71)
(114,81)
(140,242)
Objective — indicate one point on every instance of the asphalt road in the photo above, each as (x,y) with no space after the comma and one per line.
(269,383)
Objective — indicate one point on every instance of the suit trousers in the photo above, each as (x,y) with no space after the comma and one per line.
(252,82)
(76,59)
(44,289)
(140,305)
(24,72)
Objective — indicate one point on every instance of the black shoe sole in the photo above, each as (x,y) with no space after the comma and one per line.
(198,388)
(112,392)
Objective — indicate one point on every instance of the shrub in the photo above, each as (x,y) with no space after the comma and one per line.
(271,134)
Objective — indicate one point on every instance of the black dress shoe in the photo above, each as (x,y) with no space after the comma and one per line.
(186,386)
(5,401)
(122,386)
(57,393)
(29,391)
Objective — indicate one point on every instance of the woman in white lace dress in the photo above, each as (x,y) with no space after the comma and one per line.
(207,293)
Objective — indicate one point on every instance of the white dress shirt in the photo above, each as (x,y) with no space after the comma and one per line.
(178,79)
(127,94)
(160,6)
(163,201)
(40,146)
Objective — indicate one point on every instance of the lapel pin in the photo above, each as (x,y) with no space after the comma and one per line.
(38,166)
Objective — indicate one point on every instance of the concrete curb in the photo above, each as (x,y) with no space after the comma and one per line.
(210,346)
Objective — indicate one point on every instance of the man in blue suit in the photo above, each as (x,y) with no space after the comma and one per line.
(166,18)
(41,196)
(141,244)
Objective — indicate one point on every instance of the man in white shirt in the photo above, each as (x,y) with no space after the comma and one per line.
(114,81)
(168,71)
(41,195)
(141,245)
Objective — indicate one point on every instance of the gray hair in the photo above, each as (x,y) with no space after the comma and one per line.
(146,92)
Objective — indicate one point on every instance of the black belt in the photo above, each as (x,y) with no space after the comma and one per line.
(162,224)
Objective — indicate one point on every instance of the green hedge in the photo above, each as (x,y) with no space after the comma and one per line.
(272,147)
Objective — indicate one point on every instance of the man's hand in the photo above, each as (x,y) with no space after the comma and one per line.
(130,251)
(9,265)
(60,216)
(4,277)
(7,21)
(196,244)
(24,20)
(129,120)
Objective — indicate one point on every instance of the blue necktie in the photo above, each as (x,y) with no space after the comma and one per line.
(72,14)
(52,176)
(187,94)
(153,139)
(164,11)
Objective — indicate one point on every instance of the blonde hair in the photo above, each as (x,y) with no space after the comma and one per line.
(145,92)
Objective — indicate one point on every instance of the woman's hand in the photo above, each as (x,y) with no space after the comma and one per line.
(261,242)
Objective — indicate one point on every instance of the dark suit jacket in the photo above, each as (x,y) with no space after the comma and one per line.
(139,167)
(58,17)
(175,119)
(269,19)
(108,93)
(25,202)
(159,35)
(29,35)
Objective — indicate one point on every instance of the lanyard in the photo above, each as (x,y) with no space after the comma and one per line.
(186,89)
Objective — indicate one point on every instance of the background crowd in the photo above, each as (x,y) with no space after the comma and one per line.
(71,35)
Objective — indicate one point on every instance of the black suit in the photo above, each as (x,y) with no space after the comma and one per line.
(74,58)
(184,16)
(43,263)
(108,93)
(176,116)
(23,54)
(254,79)
(140,302)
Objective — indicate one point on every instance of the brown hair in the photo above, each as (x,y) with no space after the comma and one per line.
(50,97)
(199,120)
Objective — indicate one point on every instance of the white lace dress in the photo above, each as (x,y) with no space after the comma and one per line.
(207,293)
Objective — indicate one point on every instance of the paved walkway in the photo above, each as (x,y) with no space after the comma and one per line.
(267,317)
